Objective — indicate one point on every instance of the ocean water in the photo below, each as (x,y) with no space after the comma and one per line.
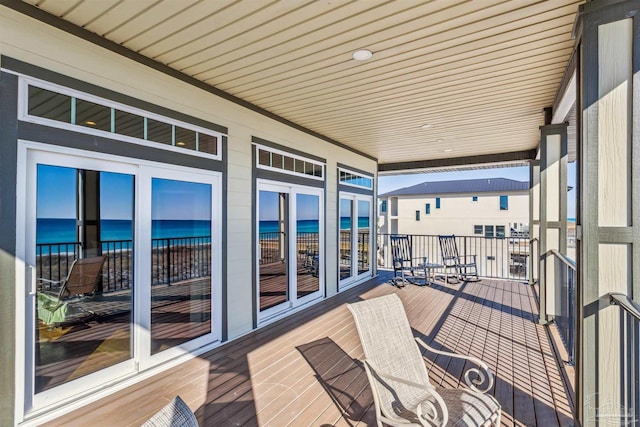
(57,230)
(311,226)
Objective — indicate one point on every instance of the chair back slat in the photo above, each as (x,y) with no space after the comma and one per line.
(449,249)
(400,251)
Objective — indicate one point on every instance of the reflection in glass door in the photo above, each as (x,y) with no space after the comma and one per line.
(290,247)
(354,256)
(307,244)
(180,262)
(364,243)
(83,266)
(273,249)
(346,237)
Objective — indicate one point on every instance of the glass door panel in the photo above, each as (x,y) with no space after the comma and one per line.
(83,263)
(181,300)
(273,286)
(307,244)
(364,215)
(346,237)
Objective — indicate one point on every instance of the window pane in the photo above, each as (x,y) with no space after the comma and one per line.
(207,143)
(363,236)
(273,246)
(383,208)
(504,203)
(159,132)
(50,105)
(264,158)
(129,124)
(417,215)
(185,138)
(488,231)
(288,163)
(477,229)
(84,325)
(346,208)
(437,202)
(500,231)
(428,208)
(474,198)
(299,165)
(180,262)
(317,170)
(276,160)
(93,116)
(307,244)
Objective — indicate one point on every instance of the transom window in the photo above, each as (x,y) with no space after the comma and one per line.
(269,158)
(355,179)
(58,106)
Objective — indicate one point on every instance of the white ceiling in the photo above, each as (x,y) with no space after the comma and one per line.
(480,72)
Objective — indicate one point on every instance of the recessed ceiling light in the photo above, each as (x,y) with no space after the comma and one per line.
(362,54)
(425,126)
(448,150)
(90,123)
(439,140)
(180,143)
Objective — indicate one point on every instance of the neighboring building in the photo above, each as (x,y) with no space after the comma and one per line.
(494,207)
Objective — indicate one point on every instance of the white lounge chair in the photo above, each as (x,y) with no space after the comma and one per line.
(402,393)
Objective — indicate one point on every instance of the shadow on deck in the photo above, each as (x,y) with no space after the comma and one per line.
(305,370)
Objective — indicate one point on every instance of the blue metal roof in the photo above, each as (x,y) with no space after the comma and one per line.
(485,185)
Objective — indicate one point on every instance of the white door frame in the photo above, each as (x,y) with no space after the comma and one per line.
(293,302)
(28,156)
(355,277)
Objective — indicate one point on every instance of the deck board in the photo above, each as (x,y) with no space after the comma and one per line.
(306,369)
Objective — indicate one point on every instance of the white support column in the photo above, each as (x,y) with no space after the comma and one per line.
(553,212)
(609,213)
(534,221)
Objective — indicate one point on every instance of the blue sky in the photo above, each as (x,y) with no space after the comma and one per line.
(56,196)
(308,206)
(180,200)
(389,183)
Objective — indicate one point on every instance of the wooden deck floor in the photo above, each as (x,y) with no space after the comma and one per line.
(304,370)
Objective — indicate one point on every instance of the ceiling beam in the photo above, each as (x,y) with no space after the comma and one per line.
(469,162)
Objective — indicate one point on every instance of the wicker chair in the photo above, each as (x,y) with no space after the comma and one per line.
(402,393)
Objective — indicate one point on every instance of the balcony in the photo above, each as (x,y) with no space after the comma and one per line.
(305,369)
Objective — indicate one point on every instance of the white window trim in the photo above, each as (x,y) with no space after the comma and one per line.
(356,174)
(293,156)
(23,115)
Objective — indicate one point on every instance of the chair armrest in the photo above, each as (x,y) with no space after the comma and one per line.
(425,419)
(42,279)
(473,257)
(482,376)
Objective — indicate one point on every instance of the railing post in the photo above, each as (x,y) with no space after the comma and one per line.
(168,266)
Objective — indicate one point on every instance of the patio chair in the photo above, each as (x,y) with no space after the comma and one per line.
(404,262)
(83,278)
(175,414)
(402,393)
(465,266)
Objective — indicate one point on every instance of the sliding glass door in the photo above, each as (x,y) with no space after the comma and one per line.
(355,238)
(122,266)
(290,247)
